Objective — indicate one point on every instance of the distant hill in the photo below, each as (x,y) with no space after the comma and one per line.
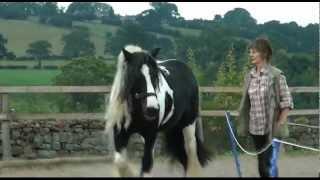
(20,33)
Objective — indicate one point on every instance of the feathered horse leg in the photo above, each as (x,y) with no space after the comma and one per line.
(124,168)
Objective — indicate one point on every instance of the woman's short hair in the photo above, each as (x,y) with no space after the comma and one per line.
(263,46)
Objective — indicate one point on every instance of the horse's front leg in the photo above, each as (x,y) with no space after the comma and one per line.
(121,139)
(147,160)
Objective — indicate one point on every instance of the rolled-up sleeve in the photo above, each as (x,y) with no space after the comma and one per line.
(285,95)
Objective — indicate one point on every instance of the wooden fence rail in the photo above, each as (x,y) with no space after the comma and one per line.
(6,115)
(107,89)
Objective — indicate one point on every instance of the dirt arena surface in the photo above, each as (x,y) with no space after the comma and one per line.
(307,165)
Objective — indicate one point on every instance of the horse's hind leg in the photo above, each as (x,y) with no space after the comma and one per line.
(190,144)
(121,140)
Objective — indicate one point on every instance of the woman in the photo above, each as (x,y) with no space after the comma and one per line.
(265,104)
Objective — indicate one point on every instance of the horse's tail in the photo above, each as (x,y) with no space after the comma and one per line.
(204,155)
(174,145)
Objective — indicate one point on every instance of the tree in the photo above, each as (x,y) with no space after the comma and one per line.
(166,11)
(90,10)
(111,19)
(212,46)
(48,10)
(11,56)
(217,18)
(33,8)
(77,43)
(84,72)
(195,68)
(106,13)
(39,50)
(4,53)
(130,33)
(14,10)
(161,13)
(309,37)
(82,11)
(103,10)
(167,47)
(291,37)
(245,62)
(228,75)
(61,20)
(3,49)
(239,17)
(2,9)
(149,19)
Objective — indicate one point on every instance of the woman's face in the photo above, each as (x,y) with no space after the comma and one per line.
(255,57)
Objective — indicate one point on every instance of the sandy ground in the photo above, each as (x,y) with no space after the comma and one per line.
(224,166)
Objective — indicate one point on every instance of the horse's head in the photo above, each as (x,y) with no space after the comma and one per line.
(141,81)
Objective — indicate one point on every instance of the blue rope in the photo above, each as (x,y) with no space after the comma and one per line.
(274,159)
(233,146)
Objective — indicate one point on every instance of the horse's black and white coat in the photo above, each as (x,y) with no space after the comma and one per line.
(150,96)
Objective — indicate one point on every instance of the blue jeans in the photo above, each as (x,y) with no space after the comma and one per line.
(267,161)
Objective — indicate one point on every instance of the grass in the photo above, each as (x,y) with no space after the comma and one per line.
(31,77)
(27,77)
(34,103)
(300,152)
(20,33)
(184,31)
(98,34)
(32,63)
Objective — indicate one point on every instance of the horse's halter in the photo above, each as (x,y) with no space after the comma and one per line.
(144,95)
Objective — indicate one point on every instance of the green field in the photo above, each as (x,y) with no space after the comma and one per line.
(28,77)
(32,63)
(184,31)
(21,33)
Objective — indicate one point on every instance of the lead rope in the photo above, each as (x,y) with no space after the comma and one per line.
(239,145)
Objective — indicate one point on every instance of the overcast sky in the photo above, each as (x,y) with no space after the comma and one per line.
(302,13)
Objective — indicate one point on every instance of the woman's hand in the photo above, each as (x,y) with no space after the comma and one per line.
(282,117)
(281,130)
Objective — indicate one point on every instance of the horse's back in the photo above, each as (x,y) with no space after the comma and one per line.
(179,73)
(186,97)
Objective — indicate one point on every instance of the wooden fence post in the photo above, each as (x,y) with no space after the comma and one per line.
(5,128)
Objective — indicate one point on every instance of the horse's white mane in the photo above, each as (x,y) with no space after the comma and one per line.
(117,111)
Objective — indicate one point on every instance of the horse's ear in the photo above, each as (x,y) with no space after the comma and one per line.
(127,54)
(155,52)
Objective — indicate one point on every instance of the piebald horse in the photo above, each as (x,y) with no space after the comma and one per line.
(148,97)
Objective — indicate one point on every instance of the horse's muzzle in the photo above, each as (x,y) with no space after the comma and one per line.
(151,113)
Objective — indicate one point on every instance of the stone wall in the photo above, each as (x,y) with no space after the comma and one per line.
(305,136)
(51,138)
(217,139)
